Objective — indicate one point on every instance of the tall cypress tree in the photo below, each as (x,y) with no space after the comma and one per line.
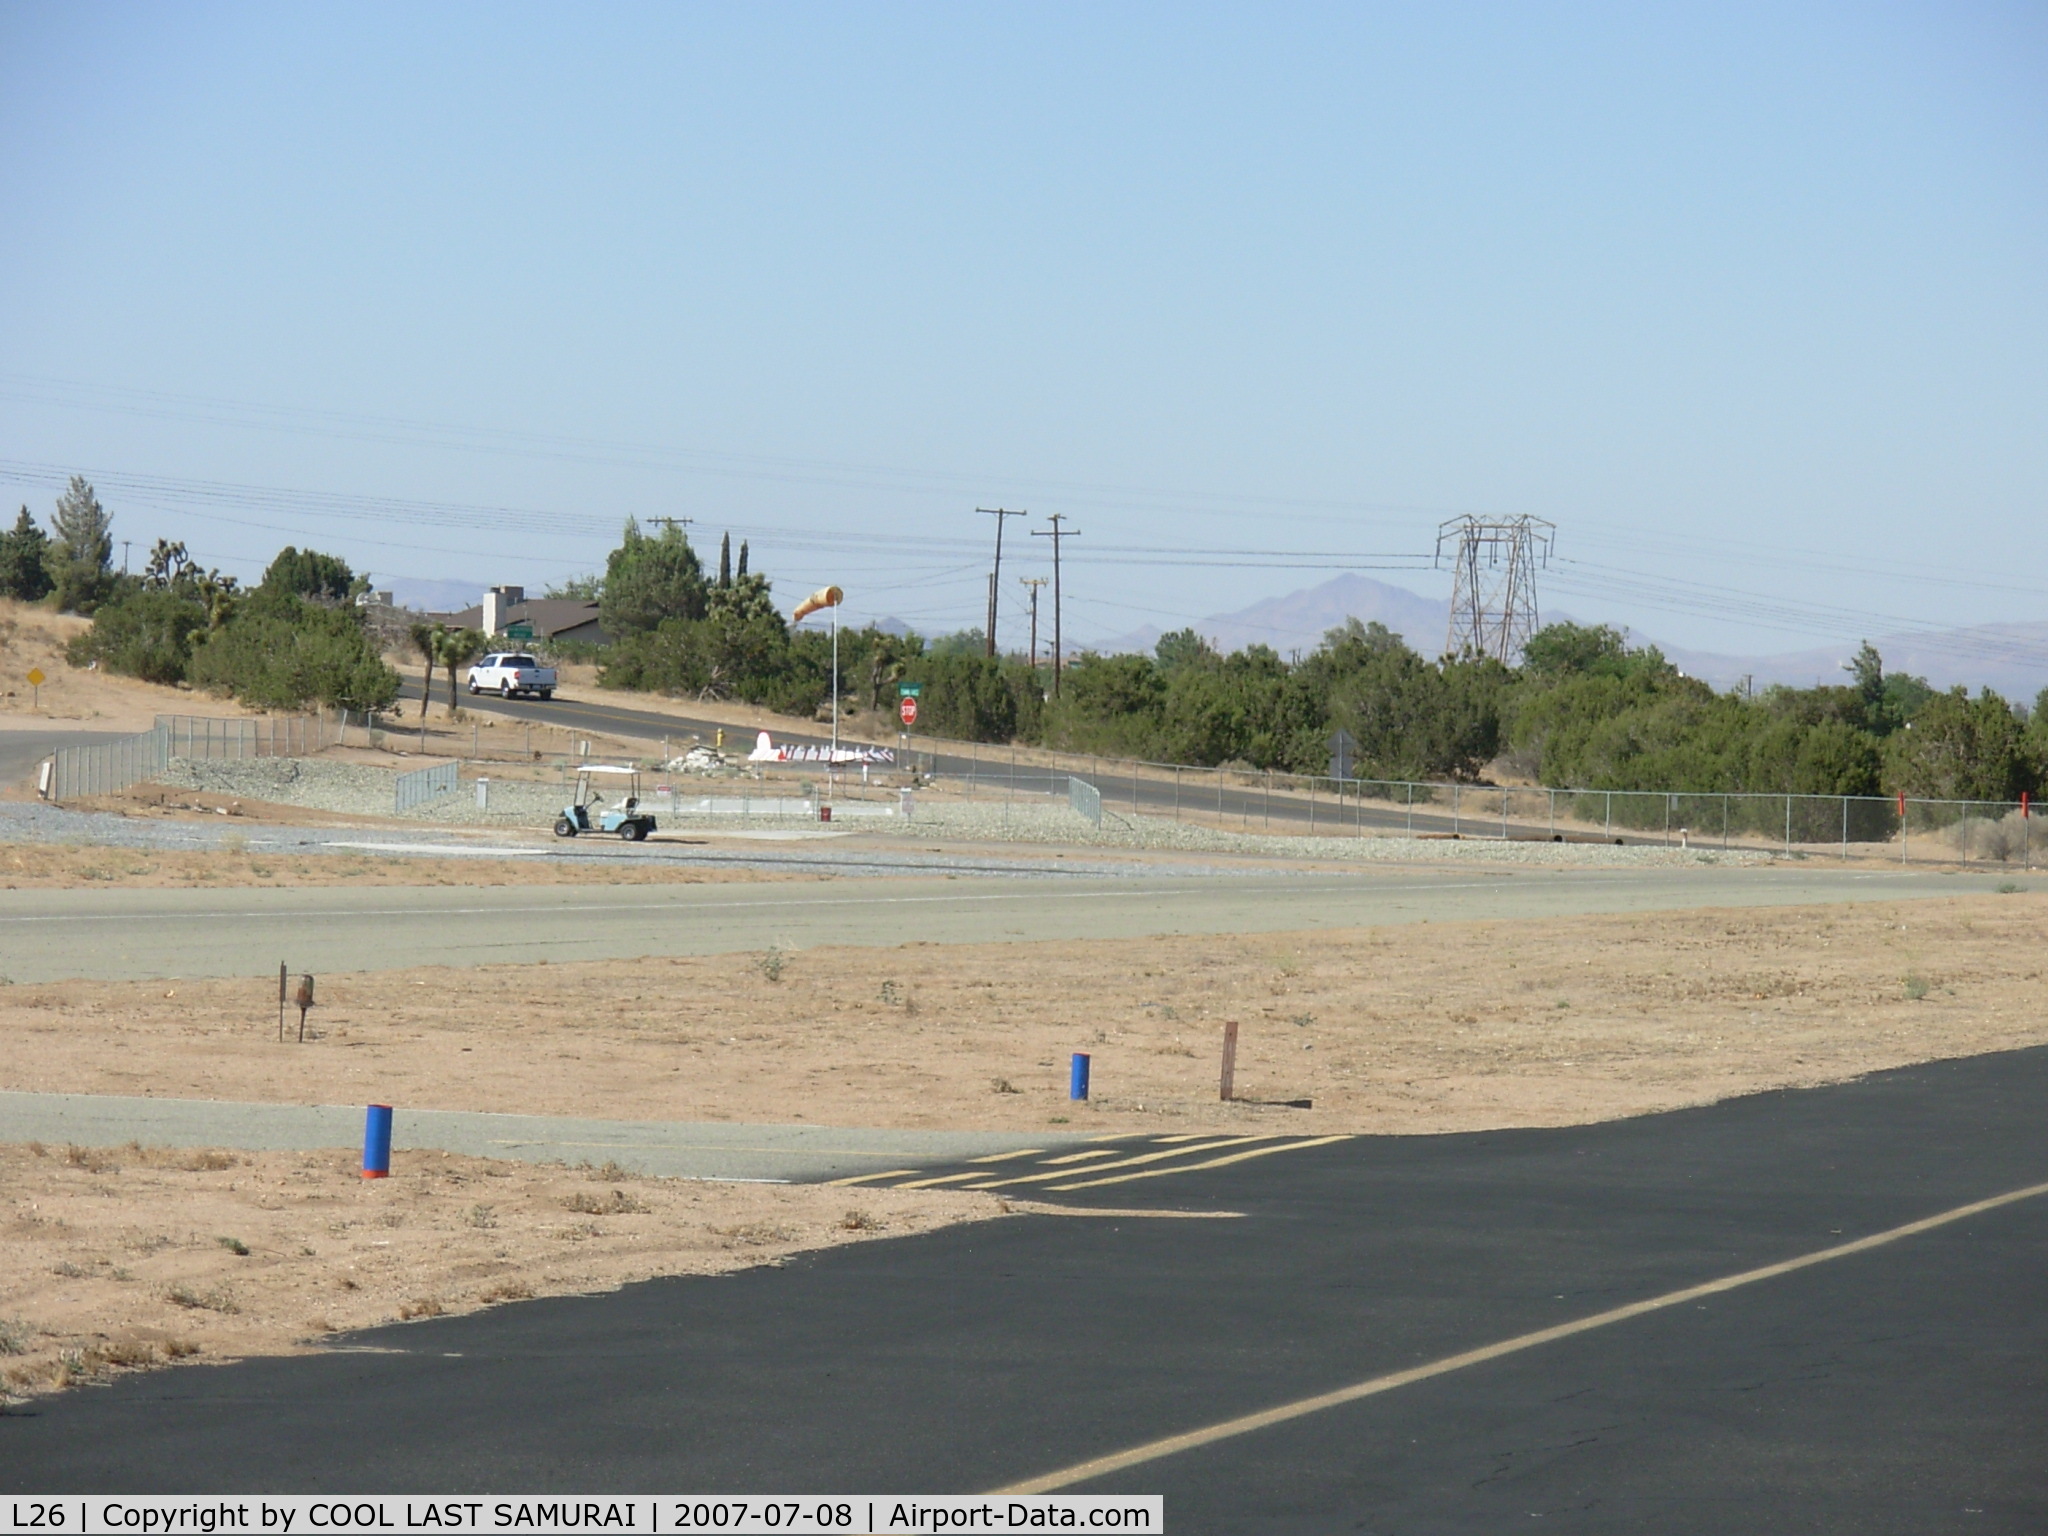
(724,561)
(743,557)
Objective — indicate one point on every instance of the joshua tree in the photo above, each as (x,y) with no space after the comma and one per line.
(426,639)
(457,648)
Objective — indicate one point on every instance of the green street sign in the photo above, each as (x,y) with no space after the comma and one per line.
(910,690)
(523,630)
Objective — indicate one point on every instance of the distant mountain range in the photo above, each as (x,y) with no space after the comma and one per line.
(2012,658)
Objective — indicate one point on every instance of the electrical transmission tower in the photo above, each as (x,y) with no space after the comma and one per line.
(1493,582)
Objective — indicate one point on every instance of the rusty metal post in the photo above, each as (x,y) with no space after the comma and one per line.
(281,968)
(303,997)
(1229,1083)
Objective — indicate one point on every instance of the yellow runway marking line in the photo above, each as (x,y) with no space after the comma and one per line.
(1173,1445)
(1214,1162)
(864,1178)
(1128,1162)
(1167,1141)
(944,1178)
(1004,1157)
(1081,1157)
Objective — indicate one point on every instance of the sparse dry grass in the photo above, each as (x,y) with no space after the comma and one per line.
(110,1259)
(1441,1026)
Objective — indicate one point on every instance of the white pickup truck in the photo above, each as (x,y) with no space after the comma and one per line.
(510,675)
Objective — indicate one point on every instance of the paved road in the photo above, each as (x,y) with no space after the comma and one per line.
(1256,809)
(20,751)
(117,934)
(1899,1388)
(665,1148)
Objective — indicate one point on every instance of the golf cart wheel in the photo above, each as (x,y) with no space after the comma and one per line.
(632,831)
(564,827)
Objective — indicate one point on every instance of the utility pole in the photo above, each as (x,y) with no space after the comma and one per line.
(995,576)
(1056,533)
(124,555)
(671,522)
(1034,583)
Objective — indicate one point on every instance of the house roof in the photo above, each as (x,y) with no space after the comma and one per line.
(549,616)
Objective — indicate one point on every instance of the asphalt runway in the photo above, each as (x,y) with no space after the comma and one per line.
(124,934)
(1900,1387)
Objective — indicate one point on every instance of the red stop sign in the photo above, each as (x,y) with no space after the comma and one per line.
(908,710)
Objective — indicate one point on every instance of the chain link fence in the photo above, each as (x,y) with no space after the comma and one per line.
(422,785)
(108,767)
(1254,800)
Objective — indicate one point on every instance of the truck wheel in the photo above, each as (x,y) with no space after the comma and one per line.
(564,827)
(546,694)
(504,690)
(474,690)
(632,831)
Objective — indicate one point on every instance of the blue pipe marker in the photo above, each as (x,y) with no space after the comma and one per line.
(377,1142)
(1077,1082)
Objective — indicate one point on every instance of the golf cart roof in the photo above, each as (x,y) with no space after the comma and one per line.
(603,768)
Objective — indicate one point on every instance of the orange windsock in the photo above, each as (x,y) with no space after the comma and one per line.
(824,597)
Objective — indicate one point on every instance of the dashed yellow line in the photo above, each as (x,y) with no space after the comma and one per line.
(944,1178)
(1128,1162)
(1214,1162)
(869,1178)
(1081,1157)
(1004,1157)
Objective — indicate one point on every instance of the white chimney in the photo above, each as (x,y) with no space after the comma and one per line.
(498,605)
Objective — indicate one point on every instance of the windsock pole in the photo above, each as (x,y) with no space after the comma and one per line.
(827,597)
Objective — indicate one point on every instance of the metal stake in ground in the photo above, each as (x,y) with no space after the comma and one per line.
(281,985)
(303,998)
(1229,1060)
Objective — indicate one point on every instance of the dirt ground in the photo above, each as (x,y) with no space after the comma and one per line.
(55,866)
(125,1258)
(34,637)
(129,1257)
(1434,1027)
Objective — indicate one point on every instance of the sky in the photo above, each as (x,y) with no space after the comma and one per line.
(1751,302)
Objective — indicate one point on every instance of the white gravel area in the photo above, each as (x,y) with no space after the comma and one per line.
(359,789)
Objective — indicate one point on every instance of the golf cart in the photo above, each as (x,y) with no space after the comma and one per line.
(584,813)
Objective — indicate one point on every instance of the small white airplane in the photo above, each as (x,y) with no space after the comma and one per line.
(765,751)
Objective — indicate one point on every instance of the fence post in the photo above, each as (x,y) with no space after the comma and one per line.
(1667,819)
(1724,823)
(1610,813)
(1411,810)
(1311,807)
(1269,800)
(1504,816)
(1455,799)
(1788,824)
(1176,794)
(1845,829)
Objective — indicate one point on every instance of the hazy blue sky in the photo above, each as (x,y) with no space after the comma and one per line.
(1751,301)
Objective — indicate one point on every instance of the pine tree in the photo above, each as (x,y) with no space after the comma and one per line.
(23,560)
(743,558)
(724,561)
(81,555)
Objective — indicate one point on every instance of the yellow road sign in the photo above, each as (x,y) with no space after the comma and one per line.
(36,678)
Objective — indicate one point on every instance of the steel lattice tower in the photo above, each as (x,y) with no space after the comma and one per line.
(1493,583)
